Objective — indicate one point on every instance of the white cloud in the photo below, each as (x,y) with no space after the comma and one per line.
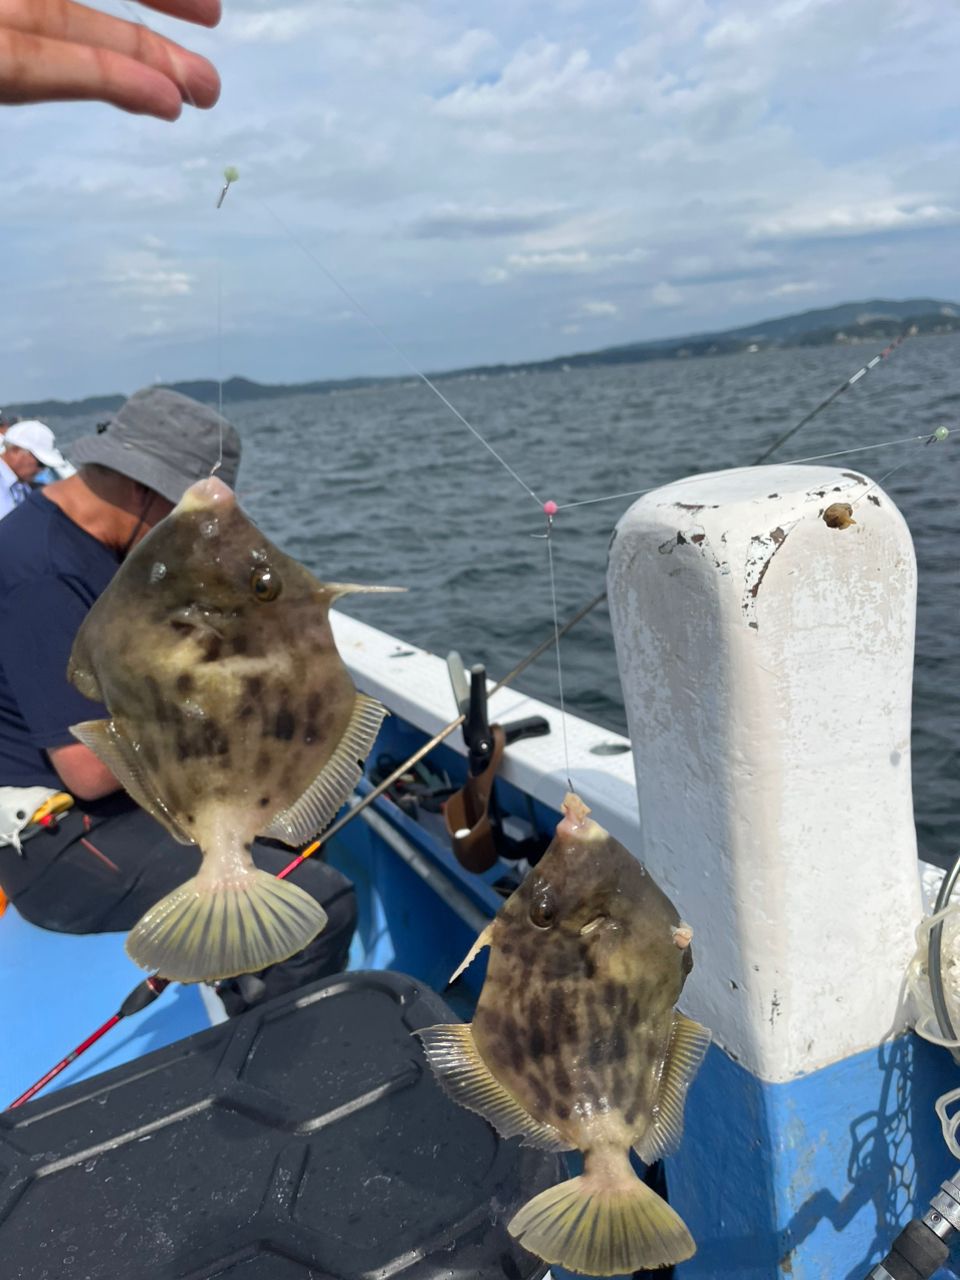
(559,261)
(665,295)
(856,220)
(791,288)
(540,77)
(599,308)
(460,56)
(577,261)
(494,275)
(455,221)
(146,274)
(690,164)
(156,283)
(277,26)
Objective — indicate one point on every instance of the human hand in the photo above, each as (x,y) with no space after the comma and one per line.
(58,50)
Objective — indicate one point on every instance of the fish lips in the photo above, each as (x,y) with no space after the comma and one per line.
(198,617)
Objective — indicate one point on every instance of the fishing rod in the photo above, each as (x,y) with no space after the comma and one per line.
(145,992)
(844,386)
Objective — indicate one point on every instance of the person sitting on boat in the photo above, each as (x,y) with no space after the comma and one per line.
(28,448)
(60,50)
(101,864)
(41,442)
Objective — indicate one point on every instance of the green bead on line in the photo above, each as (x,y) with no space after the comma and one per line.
(231,174)
(941,433)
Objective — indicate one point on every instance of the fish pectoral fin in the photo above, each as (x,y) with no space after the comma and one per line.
(603,1226)
(316,808)
(209,929)
(455,1061)
(108,742)
(689,1041)
(485,939)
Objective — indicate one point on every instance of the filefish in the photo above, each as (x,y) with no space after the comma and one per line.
(576,1045)
(232,715)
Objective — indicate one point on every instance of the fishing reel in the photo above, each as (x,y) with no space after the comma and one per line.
(476,827)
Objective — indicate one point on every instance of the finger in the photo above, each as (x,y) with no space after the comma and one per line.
(63,20)
(205,12)
(35,69)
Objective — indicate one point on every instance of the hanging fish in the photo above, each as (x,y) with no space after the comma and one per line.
(576,1044)
(231,715)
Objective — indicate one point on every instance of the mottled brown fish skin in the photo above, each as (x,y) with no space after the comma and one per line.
(231,698)
(576,1043)
(577,1025)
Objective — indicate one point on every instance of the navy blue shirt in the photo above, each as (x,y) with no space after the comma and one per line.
(51,572)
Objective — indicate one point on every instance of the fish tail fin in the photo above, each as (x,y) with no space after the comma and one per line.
(207,930)
(603,1226)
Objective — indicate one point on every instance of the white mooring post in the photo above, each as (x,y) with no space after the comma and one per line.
(764,623)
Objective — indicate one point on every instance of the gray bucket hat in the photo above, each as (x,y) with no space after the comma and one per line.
(163,440)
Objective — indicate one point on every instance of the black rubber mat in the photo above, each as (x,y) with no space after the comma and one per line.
(305,1139)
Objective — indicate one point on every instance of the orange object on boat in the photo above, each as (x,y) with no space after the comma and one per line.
(3,902)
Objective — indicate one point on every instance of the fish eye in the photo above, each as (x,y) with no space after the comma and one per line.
(543,907)
(265,584)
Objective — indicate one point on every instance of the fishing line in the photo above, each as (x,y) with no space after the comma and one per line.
(941,433)
(937,437)
(884,444)
(219,462)
(397,350)
(230,175)
(556,631)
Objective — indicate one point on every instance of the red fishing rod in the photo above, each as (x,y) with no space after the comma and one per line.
(143,994)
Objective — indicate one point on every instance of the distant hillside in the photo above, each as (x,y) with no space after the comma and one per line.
(850,322)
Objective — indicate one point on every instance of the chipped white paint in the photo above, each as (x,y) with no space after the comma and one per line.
(763,547)
(767,668)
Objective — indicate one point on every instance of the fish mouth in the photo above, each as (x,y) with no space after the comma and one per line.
(589,927)
(208,494)
(194,617)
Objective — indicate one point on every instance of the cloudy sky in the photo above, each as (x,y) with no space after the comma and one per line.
(494,182)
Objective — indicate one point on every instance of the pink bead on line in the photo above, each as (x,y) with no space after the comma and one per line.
(550,508)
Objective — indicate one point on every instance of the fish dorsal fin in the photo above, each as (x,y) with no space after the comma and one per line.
(485,939)
(338,589)
(313,812)
(108,742)
(456,1062)
(688,1043)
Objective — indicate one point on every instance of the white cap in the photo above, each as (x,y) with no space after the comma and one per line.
(38,439)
